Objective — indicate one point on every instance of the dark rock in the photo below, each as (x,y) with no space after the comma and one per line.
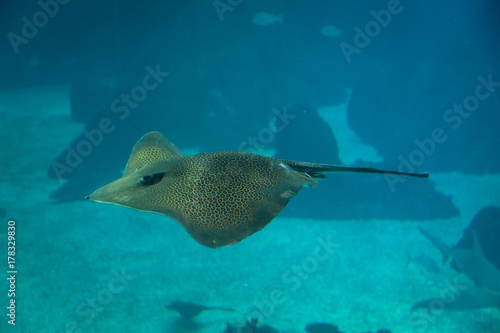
(486,224)
(322,328)
(250,327)
(307,137)
(352,196)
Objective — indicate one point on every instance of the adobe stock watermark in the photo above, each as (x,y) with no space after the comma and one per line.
(91,306)
(292,280)
(266,135)
(421,317)
(120,107)
(453,117)
(373,28)
(223,6)
(30,27)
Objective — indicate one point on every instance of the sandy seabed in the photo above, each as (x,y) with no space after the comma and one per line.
(87,267)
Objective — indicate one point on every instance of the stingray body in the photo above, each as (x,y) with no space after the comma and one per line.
(220,198)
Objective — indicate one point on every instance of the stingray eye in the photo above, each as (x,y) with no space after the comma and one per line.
(152,179)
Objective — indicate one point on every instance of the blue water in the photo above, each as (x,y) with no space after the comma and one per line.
(411,86)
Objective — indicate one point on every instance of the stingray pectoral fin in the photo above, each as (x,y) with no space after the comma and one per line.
(240,205)
(152,147)
(278,197)
(241,221)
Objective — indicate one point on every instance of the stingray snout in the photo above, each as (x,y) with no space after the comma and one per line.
(114,193)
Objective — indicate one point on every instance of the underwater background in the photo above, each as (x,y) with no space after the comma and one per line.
(410,85)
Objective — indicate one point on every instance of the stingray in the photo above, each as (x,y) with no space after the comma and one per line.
(189,310)
(220,198)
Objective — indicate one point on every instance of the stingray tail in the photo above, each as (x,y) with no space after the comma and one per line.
(316,170)
(336,168)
